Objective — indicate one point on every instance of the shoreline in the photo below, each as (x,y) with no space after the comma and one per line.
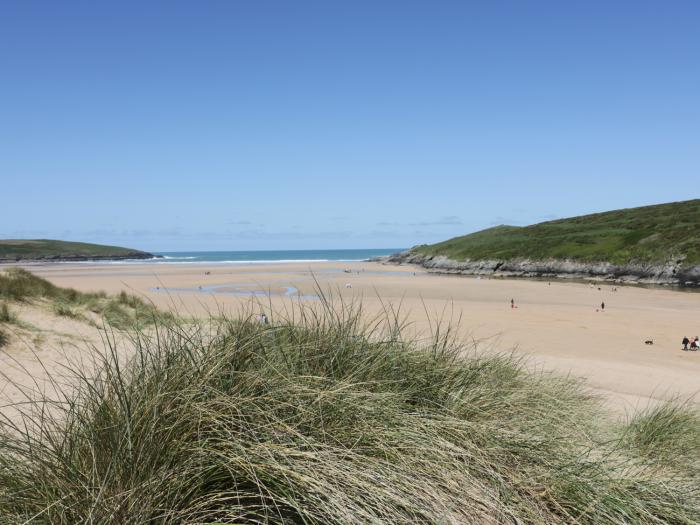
(162,261)
(165,260)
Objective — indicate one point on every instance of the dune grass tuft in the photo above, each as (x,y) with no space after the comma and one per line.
(63,310)
(18,284)
(121,311)
(6,315)
(670,431)
(323,417)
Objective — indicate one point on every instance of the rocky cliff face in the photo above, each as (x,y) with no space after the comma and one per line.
(70,258)
(672,272)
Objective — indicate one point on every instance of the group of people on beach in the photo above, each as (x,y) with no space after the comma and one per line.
(693,342)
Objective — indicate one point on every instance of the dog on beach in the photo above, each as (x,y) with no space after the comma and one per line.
(649,342)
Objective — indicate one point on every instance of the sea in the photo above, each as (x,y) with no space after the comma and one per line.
(267,256)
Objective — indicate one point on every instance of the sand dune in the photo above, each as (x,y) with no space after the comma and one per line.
(557,326)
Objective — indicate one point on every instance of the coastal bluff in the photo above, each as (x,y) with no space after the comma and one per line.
(670,273)
(47,250)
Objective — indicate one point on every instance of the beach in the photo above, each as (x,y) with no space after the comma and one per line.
(556,326)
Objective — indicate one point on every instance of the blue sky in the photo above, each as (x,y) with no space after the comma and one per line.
(278,125)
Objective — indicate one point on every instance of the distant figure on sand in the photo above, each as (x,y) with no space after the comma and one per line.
(602,306)
(512,303)
(685,342)
(694,343)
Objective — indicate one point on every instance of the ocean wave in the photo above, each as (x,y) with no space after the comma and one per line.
(256,261)
(202,262)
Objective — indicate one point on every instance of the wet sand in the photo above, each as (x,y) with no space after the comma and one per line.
(557,326)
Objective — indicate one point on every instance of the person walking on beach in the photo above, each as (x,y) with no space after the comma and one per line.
(512,303)
(602,306)
(685,342)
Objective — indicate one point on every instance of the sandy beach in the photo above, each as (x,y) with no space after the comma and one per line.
(557,326)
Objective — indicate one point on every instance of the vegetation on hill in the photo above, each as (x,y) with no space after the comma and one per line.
(323,418)
(647,234)
(16,250)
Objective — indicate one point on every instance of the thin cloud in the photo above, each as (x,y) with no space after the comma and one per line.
(449,220)
(27,234)
(262,234)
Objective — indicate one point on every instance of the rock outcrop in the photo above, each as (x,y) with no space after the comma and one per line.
(79,258)
(673,272)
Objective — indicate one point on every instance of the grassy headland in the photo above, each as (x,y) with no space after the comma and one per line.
(44,249)
(326,417)
(649,234)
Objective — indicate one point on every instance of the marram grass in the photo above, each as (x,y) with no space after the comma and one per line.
(321,418)
(120,311)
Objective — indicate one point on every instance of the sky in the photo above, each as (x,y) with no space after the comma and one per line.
(232,125)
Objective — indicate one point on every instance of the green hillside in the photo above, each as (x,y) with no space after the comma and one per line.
(649,233)
(38,249)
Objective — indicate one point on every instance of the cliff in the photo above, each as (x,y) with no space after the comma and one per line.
(671,273)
